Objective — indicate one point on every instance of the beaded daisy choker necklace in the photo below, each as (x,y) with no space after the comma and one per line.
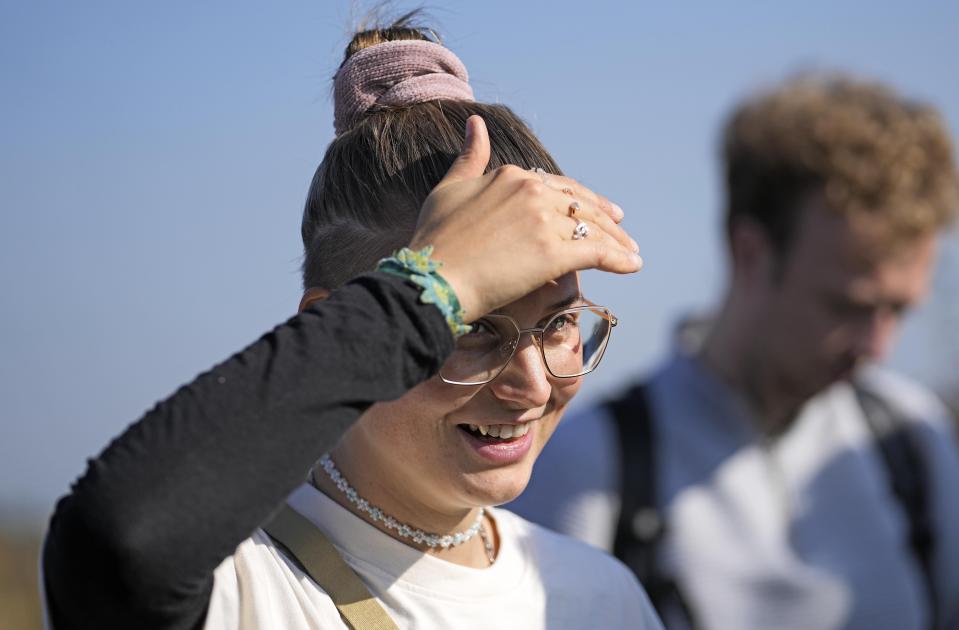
(418,536)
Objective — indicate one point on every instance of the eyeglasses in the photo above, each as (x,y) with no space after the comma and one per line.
(572,343)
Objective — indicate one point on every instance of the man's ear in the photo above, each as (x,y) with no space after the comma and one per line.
(312,295)
(752,255)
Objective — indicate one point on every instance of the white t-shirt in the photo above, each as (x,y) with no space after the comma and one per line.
(540,580)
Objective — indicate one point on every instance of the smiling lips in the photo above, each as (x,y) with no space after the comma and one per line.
(500,431)
(501,444)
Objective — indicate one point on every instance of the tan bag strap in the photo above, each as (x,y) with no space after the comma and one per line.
(323,563)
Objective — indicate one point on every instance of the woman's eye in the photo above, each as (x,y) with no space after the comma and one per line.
(562,322)
(481,328)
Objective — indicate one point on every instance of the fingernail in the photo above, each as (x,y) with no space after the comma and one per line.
(638,260)
(617,211)
(635,245)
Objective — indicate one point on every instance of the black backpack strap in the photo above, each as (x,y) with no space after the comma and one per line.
(641,526)
(909,480)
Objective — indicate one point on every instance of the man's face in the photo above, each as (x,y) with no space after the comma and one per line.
(834,301)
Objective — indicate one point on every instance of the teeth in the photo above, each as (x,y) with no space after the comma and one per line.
(502,431)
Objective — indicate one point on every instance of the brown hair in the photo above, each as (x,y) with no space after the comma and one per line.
(365,197)
(869,152)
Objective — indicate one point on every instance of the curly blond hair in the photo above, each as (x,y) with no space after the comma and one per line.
(869,152)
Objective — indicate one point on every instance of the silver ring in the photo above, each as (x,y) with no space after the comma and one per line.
(542,174)
(581,231)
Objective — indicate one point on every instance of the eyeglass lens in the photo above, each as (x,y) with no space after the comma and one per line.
(573,342)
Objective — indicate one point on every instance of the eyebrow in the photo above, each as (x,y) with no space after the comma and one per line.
(566,302)
(557,306)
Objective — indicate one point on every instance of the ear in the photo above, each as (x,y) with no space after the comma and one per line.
(312,295)
(752,254)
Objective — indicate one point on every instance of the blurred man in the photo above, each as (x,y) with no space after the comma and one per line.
(766,476)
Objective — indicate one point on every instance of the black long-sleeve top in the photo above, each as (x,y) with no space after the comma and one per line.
(136,541)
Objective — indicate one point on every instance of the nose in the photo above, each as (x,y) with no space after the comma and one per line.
(524,382)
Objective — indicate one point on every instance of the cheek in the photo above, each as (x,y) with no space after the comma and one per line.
(563,391)
(822,332)
(796,322)
(416,416)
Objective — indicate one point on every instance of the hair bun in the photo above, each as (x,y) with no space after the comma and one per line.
(396,73)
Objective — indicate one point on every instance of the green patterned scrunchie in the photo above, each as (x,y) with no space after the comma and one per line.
(423,272)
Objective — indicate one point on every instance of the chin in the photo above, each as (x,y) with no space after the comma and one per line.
(499,486)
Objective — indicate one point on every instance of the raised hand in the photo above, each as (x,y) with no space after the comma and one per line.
(506,233)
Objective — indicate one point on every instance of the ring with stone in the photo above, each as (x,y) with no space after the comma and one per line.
(581,231)
(573,207)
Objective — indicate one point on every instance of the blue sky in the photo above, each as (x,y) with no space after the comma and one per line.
(154,158)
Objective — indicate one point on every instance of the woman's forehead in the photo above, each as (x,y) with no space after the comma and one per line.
(553,296)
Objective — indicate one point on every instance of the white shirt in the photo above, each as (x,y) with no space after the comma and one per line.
(802,533)
(539,580)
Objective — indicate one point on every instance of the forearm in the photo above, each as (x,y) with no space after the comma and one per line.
(139,536)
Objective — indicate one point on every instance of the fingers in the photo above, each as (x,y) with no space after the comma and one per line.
(603,252)
(606,247)
(606,224)
(597,216)
(539,190)
(617,260)
(472,160)
(575,189)
(563,194)
(598,251)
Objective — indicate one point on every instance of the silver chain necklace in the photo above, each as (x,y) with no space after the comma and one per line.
(418,536)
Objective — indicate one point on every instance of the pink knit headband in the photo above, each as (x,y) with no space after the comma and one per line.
(402,72)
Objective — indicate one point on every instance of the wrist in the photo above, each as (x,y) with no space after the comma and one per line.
(417,267)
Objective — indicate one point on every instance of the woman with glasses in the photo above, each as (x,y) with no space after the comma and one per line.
(341,471)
